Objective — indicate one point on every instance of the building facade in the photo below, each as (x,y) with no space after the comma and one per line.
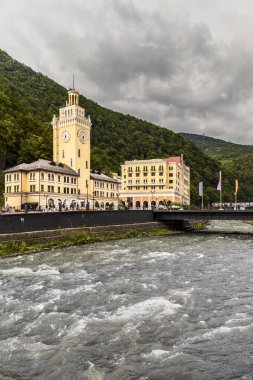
(67,180)
(149,183)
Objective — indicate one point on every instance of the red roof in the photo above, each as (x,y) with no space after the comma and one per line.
(176,159)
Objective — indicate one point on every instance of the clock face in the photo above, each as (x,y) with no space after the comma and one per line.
(82,136)
(65,136)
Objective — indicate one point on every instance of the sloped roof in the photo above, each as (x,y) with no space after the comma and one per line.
(103,177)
(41,164)
(176,159)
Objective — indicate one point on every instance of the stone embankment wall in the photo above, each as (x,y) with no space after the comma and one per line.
(15,223)
(56,234)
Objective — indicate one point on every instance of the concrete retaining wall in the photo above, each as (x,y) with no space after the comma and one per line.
(14,223)
(47,235)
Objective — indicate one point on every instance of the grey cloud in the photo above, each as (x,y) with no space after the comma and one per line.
(147,59)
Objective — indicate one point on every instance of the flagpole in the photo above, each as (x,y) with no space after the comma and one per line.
(202,202)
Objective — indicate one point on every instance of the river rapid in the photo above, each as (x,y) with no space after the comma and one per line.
(176,307)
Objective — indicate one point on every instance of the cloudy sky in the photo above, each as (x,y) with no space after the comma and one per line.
(186,64)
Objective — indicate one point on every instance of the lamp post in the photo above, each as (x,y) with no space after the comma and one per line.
(118,199)
(46,196)
(93,200)
(87,200)
(152,199)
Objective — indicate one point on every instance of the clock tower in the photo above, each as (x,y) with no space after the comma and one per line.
(71,140)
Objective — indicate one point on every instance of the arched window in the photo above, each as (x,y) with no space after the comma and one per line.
(145,205)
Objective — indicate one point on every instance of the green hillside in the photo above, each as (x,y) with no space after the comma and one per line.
(235,159)
(28,101)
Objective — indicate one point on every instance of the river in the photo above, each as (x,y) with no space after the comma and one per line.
(176,307)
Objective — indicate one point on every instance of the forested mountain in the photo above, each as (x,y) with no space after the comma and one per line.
(28,101)
(235,159)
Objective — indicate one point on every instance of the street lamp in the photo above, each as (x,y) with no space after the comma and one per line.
(118,199)
(152,202)
(93,200)
(87,200)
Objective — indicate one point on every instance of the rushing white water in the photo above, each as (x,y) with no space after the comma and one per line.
(162,308)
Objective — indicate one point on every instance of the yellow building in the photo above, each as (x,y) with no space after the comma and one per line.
(148,183)
(41,184)
(105,191)
(71,139)
(66,181)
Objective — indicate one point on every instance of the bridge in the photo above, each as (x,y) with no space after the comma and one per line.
(205,215)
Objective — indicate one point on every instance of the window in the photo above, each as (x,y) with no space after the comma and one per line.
(137,169)
(42,176)
(79,172)
(137,174)
(170,167)
(79,152)
(59,189)
(87,165)
(130,169)
(63,154)
(152,174)
(129,174)
(145,174)
(42,188)
(145,168)
(171,181)
(153,168)
(71,162)
(171,175)
(59,178)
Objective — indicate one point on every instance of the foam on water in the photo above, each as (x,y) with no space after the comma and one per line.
(16,272)
(154,307)
(158,254)
(161,355)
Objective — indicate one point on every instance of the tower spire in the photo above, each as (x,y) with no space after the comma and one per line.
(73,82)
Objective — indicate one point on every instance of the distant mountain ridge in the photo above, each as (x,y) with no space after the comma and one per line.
(235,159)
(217,148)
(28,101)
